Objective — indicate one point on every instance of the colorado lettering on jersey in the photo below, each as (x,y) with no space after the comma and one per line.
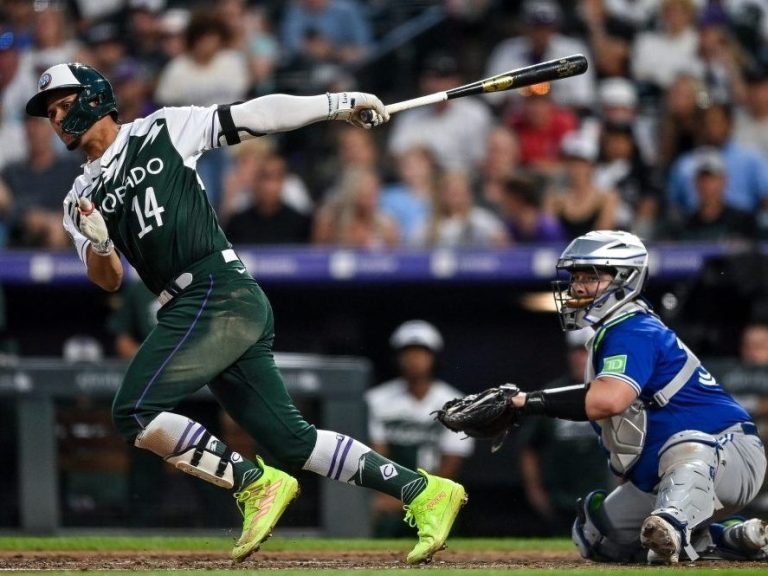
(133,178)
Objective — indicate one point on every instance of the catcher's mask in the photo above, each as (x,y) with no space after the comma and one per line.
(95,97)
(620,254)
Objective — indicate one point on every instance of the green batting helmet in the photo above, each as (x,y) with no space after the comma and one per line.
(95,98)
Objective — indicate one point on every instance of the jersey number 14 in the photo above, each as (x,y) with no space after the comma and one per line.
(151,210)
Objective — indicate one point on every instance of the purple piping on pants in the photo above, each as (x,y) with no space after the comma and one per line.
(172,354)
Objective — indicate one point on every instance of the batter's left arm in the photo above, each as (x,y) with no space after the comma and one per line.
(283,112)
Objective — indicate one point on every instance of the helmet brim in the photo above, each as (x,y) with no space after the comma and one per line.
(38,104)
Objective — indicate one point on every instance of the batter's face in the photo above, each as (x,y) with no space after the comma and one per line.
(58,107)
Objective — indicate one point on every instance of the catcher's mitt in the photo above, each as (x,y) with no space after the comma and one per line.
(487,414)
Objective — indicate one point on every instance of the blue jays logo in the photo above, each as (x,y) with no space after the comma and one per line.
(45,79)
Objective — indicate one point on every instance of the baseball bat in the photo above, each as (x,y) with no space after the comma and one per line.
(535,74)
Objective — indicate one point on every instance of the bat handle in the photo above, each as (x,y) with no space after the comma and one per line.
(366,116)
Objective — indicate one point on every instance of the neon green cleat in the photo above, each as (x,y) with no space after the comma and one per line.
(433,512)
(262,503)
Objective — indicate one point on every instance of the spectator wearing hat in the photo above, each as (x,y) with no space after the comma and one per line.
(617,100)
(751,120)
(747,171)
(720,56)
(713,219)
(541,41)
(400,424)
(455,131)
(578,204)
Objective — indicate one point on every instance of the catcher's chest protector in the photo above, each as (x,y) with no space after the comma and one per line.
(624,435)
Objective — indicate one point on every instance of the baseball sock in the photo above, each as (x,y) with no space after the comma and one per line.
(342,458)
(375,471)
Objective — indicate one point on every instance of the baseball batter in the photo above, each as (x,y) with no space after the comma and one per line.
(687,453)
(140,196)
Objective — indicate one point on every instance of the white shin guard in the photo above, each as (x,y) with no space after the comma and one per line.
(189,447)
(336,456)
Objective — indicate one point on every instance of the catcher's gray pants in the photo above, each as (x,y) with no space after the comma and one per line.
(738,479)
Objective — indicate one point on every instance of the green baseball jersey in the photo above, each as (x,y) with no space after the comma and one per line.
(147,189)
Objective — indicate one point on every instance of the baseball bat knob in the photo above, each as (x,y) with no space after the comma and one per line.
(366,116)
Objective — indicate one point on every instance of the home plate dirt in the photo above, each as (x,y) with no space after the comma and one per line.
(296,560)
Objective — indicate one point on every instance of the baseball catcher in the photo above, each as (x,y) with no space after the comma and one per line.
(687,454)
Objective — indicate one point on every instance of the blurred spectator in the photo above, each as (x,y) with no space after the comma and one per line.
(146,27)
(747,184)
(133,89)
(54,41)
(352,218)
(542,41)
(458,221)
(618,104)
(105,48)
(579,204)
(409,200)
(400,424)
(17,82)
(750,127)
(658,56)
(540,126)
(206,73)
(353,149)
(634,14)
(20,15)
(269,220)
(720,56)
(679,118)
(36,186)
(551,446)
(502,160)
(455,130)
(252,36)
(621,167)
(610,32)
(317,31)
(714,220)
(522,206)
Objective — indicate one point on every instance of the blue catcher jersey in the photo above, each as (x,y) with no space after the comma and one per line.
(646,354)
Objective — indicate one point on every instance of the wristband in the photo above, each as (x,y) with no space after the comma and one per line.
(568,403)
(103,248)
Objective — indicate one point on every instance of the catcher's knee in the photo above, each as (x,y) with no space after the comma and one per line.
(591,535)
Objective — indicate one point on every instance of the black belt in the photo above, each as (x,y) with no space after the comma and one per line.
(749,428)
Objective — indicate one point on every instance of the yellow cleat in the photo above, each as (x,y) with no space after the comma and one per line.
(262,503)
(433,513)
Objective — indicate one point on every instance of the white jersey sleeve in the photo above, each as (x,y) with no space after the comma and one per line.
(193,129)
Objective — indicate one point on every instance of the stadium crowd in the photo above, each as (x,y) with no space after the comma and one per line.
(664,135)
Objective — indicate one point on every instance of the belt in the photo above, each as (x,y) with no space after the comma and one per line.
(749,428)
(183,280)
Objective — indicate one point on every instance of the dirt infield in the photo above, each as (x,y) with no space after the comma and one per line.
(266,560)
(296,560)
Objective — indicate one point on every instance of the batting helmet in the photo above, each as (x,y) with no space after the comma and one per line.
(95,97)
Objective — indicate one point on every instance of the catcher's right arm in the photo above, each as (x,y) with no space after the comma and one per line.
(487,414)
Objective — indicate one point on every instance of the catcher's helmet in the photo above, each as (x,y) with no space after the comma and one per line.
(621,254)
(417,333)
(95,98)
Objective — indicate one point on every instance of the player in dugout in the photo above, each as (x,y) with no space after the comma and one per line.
(688,456)
(140,196)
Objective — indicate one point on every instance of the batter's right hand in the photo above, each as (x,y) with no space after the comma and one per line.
(93,227)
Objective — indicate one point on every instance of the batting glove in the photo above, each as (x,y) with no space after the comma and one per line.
(348,106)
(93,227)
